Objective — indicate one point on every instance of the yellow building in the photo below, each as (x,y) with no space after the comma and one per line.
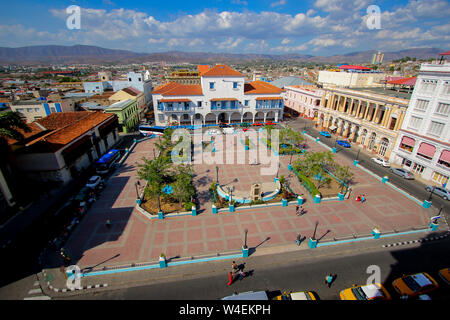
(132,94)
(362,116)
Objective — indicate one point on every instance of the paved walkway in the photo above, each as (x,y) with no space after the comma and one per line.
(134,239)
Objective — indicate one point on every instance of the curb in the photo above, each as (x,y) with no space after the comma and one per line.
(64,290)
(416,241)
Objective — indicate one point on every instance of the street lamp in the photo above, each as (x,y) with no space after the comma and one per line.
(431,194)
(217,174)
(245,239)
(357,155)
(137,184)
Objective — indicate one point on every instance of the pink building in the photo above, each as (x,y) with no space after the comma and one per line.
(303,101)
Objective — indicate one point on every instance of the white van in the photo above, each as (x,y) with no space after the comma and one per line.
(228,130)
(250,295)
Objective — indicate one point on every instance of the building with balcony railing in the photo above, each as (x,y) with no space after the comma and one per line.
(221,97)
(423,146)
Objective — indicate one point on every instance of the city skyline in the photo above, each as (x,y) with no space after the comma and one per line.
(230,26)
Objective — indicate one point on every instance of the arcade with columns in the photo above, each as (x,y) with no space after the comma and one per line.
(368,119)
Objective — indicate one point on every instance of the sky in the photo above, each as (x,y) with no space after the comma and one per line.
(314,27)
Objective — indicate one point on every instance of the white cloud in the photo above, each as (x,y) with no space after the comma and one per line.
(285,41)
(278,3)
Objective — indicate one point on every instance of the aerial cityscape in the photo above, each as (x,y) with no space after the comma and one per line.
(225,150)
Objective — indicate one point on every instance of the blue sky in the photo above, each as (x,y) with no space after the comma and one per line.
(316,27)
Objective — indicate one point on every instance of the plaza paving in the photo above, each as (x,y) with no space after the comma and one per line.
(132,238)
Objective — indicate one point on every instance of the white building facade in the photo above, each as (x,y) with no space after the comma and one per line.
(350,79)
(423,146)
(221,97)
(304,100)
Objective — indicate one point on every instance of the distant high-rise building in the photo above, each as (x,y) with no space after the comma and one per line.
(377,58)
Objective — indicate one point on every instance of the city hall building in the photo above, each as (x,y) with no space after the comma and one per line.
(222,96)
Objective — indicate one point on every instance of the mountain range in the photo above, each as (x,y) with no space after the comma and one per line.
(52,54)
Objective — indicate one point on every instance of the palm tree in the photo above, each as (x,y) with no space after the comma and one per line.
(10,123)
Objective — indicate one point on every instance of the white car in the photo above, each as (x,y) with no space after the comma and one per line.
(381,162)
(94,181)
(214,132)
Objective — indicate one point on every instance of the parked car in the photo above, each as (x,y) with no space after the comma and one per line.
(325,134)
(415,285)
(403,173)
(365,292)
(257,124)
(445,194)
(445,275)
(93,182)
(213,132)
(270,123)
(381,162)
(343,143)
(224,125)
(300,295)
(250,295)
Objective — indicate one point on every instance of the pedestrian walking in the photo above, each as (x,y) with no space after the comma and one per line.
(298,240)
(363,198)
(329,280)
(297,209)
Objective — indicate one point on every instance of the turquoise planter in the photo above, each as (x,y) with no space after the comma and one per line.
(276,180)
(376,234)
(433,226)
(214,209)
(194,211)
(355,162)
(162,263)
(231,208)
(334,150)
(317,199)
(290,167)
(284,202)
(341,196)
(244,252)
(160,215)
(312,243)
(385,179)
(300,200)
(138,201)
(426,204)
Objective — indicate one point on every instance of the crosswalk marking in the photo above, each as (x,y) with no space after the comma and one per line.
(34,291)
(38,298)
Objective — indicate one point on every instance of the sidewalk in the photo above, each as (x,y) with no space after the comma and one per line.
(54,284)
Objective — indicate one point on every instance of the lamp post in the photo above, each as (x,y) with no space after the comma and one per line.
(245,239)
(357,155)
(431,194)
(217,174)
(137,184)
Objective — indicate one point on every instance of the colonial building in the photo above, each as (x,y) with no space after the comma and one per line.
(369,119)
(62,145)
(221,96)
(423,146)
(303,100)
(32,110)
(348,76)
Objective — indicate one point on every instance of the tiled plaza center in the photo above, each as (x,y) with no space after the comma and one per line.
(132,238)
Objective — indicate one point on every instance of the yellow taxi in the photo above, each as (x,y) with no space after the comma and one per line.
(415,285)
(300,295)
(374,291)
(445,275)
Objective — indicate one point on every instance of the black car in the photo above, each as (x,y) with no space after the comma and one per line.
(224,125)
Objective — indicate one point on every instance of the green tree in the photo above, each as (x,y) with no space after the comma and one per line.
(314,163)
(10,125)
(183,187)
(344,174)
(155,173)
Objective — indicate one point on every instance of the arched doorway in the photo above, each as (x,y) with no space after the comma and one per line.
(384,145)
(363,137)
(198,118)
(235,117)
(173,119)
(371,142)
(185,119)
(248,117)
(223,118)
(259,116)
(210,118)
(270,116)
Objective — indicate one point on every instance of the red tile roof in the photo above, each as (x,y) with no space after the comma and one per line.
(59,129)
(354,67)
(178,89)
(203,68)
(447,53)
(261,87)
(404,81)
(222,70)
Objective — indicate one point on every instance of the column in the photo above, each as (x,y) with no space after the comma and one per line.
(399,121)
(343,105)
(375,115)
(350,109)
(387,116)
(358,109)
(366,111)
(346,130)
(353,133)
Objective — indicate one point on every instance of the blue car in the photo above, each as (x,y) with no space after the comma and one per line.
(343,143)
(325,134)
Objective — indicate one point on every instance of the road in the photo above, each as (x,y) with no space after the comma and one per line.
(303,273)
(413,187)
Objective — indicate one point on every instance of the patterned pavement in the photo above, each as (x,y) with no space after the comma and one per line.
(134,239)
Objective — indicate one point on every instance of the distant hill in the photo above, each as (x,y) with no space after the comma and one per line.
(92,54)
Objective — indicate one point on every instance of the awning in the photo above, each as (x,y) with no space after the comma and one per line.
(407,141)
(174,100)
(445,156)
(333,128)
(426,150)
(269,98)
(224,99)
